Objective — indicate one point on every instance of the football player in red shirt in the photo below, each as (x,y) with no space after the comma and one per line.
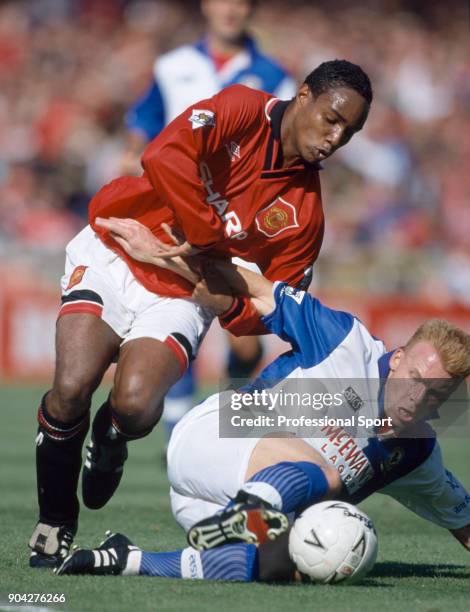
(236,175)
(226,55)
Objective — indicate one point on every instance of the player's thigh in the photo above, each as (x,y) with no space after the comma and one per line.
(190,510)
(146,369)
(92,321)
(85,347)
(203,465)
(269,451)
(178,323)
(161,343)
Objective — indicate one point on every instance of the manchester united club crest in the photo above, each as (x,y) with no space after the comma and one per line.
(76,276)
(276,218)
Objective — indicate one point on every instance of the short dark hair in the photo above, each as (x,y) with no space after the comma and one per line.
(339,73)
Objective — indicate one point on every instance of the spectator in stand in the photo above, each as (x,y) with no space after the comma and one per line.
(69,69)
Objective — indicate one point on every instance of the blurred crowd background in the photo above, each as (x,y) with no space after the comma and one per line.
(397,198)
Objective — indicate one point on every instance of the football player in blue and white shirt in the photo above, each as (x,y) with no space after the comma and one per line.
(226,55)
(237,490)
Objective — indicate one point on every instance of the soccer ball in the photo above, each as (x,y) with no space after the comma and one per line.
(333,542)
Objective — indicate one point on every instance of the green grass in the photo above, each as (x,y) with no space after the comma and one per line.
(420,567)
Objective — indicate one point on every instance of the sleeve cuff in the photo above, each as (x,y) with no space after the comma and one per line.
(234,310)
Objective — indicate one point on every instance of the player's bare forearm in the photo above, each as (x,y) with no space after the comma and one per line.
(238,279)
(245,282)
(462,535)
(217,298)
(140,243)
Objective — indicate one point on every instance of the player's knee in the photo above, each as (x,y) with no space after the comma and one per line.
(70,397)
(136,406)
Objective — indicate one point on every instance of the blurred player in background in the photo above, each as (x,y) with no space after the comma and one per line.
(226,55)
(234,175)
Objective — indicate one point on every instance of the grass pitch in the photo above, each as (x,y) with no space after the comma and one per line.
(420,567)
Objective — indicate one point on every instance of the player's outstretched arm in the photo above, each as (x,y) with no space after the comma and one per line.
(243,282)
(238,279)
(139,242)
(434,493)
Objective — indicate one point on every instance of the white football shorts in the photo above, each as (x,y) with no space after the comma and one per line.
(205,471)
(99,282)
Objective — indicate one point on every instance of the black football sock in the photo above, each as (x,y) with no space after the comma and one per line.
(107,429)
(58,463)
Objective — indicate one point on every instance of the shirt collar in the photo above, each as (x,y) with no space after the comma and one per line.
(249,43)
(276,114)
(275,110)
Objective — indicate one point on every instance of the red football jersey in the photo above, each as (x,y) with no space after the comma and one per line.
(216,174)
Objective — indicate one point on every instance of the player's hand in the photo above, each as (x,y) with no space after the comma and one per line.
(178,239)
(139,242)
(136,239)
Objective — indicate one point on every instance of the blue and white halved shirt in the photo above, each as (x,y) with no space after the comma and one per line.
(328,344)
(188,74)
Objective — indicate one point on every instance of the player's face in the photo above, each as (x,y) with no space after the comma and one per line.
(417,385)
(325,123)
(227,19)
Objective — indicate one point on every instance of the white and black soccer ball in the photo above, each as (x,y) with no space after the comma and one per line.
(333,542)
